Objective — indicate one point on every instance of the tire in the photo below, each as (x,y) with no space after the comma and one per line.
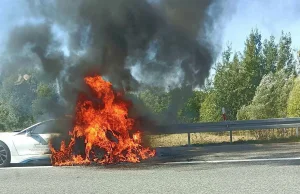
(5,156)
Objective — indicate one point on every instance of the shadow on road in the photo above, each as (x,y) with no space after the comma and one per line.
(31,164)
(228,152)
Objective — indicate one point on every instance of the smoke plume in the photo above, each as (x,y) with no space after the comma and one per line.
(132,43)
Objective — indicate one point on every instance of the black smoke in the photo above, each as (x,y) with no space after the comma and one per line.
(169,42)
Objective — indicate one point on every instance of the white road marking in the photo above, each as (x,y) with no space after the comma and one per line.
(25,167)
(232,161)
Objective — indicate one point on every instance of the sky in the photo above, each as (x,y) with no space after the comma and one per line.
(269,16)
(12,12)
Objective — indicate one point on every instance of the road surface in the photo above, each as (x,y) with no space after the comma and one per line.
(227,169)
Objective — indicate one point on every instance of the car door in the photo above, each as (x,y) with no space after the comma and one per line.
(36,141)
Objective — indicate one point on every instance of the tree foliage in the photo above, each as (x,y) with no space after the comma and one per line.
(270,100)
(236,80)
(293,107)
(257,83)
(155,99)
(270,55)
(285,55)
(209,109)
(190,112)
(19,93)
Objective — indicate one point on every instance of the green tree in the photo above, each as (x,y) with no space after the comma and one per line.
(270,100)
(190,113)
(223,83)
(285,54)
(210,112)
(45,100)
(152,102)
(229,86)
(293,107)
(270,55)
(253,66)
(155,99)
(236,80)
(15,105)
(19,90)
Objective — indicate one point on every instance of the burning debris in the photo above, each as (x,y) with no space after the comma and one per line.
(109,135)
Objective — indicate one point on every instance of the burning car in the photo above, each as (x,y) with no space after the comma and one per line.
(102,124)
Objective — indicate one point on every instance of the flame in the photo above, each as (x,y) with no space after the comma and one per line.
(104,125)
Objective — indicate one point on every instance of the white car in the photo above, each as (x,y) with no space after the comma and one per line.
(31,144)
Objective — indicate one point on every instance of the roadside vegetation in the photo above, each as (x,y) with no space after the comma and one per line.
(259,82)
(239,137)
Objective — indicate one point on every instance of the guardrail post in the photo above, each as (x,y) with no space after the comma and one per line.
(297,131)
(189,139)
(230,133)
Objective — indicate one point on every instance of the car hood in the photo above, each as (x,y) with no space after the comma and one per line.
(7,134)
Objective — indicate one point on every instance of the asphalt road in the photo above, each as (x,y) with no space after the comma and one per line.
(232,169)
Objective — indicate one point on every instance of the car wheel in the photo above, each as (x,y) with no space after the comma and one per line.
(4,155)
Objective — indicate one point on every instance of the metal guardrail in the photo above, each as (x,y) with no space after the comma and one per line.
(230,126)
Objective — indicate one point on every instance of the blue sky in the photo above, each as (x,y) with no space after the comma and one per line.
(11,13)
(269,16)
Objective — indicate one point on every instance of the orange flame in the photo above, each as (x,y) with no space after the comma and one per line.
(105,125)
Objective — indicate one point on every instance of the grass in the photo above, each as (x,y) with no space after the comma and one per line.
(239,137)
